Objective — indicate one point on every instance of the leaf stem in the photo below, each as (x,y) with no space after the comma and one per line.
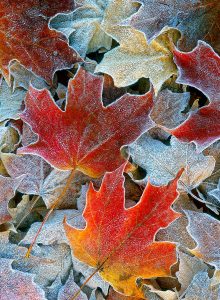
(55,204)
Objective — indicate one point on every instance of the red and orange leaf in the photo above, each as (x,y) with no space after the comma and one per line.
(86,136)
(202,127)
(120,242)
(200,68)
(25,36)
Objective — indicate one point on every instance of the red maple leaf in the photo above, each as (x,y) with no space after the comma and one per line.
(200,68)
(86,136)
(202,127)
(25,36)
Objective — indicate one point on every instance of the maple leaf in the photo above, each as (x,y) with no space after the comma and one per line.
(212,201)
(200,226)
(10,102)
(201,287)
(17,285)
(216,192)
(200,68)
(21,77)
(8,138)
(176,231)
(10,186)
(197,20)
(86,136)
(50,264)
(42,180)
(211,183)
(189,266)
(201,127)
(26,37)
(135,59)
(70,287)
(50,236)
(8,141)
(162,162)
(83,27)
(120,242)
(168,107)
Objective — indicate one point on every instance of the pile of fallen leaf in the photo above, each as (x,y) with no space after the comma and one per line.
(109,150)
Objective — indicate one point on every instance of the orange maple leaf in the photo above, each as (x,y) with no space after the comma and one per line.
(120,242)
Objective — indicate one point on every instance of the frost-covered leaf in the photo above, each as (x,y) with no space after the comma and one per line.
(135,59)
(54,184)
(9,139)
(211,183)
(23,208)
(86,136)
(176,231)
(69,289)
(202,126)
(201,289)
(96,281)
(197,20)
(8,187)
(113,295)
(209,187)
(168,108)
(152,293)
(200,68)
(48,263)
(83,26)
(17,285)
(205,230)
(41,179)
(53,231)
(11,102)
(216,192)
(189,266)
(21,77)
(131,253)
(25,36)
(9,250)
(162,162)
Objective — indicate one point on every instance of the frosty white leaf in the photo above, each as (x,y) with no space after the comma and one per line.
(201,289)
(53,231)
(162,162)
(188,267)
(10,102)
(83,27)
(168,107)
(205,230)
